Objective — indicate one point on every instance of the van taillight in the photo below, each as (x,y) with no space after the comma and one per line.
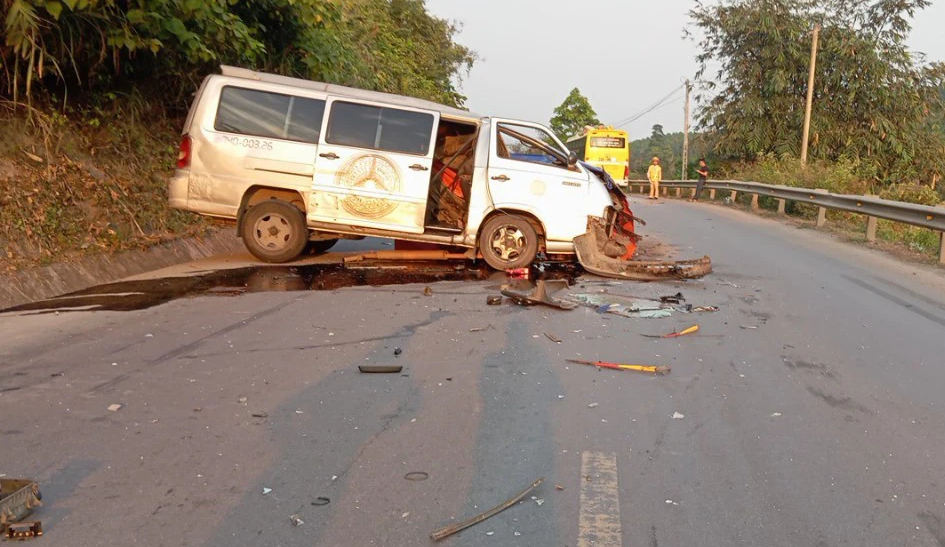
(183,157)
(626,172)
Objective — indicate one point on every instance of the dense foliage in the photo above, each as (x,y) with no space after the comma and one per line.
(81,47)
(877,105)
(572,115)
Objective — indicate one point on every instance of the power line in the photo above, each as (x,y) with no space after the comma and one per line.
(650,108)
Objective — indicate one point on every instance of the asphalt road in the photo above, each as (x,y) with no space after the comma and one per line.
(819,425)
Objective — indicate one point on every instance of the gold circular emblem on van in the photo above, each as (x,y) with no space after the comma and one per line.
(369,173)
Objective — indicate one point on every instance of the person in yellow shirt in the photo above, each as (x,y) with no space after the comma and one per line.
(655,174)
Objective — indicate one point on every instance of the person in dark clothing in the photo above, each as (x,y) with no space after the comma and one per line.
(703,172)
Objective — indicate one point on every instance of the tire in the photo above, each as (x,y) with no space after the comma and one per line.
(508,242)
(321,246)
(274,231)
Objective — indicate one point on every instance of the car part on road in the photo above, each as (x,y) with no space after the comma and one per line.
(518,273)
(380,369)
(658,370)
(677,298)
(553,338)
(541,294)
(683,332)
(296,520)
(275,231)
(18,497)
(417,476)
(446,531)
(605,256)
(493,300)
(321,500)
(25,530)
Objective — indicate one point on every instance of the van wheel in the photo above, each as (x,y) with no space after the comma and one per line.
(275,231)
(320,246)
(507,242)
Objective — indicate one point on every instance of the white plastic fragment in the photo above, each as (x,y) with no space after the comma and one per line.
(678,416)
(592,405)
(266,490)
(776,414)
(114,407)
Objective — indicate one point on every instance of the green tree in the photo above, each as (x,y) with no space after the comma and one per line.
(572,115)
(875,102)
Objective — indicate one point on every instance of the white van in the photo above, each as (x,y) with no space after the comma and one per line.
(298,163)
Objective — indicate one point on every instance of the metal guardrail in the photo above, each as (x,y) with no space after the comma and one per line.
(923,216)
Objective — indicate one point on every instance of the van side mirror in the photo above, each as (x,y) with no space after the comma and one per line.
(572,159)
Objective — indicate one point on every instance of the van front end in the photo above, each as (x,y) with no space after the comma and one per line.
(610,243)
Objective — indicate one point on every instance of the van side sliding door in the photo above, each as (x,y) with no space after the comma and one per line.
(373,166)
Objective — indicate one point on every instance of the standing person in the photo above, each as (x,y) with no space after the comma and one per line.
(655,174)
(703,172)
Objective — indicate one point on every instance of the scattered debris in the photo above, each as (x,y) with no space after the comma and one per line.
(628,306)
(683,332)
(198,409)
(242,400)
(490,532)
(260,414)
(405,515)
(678,415)
(561,396)
(56,374)
(18,497)
(296,520)
(752,327)
(25,530)
(380,369)
(266,490)
(776,415)
(659,370)
(321,500)
(559,487)
(446,531)
(592,405)
(728,283)
(541,294)
(705,309)
(553,338)
(114,407)
(539,501)
(398,351)
(677,298)
(493,300)
(518,273)
(417,476)
(149,335)
(427,291)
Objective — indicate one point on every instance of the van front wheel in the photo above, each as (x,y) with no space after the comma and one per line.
(275,231)
(508,242)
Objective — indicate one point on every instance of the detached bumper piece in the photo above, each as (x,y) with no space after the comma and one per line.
(25,530)
(17,500)
(605,251)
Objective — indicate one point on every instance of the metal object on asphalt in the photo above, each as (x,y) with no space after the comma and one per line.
(446,531)
(493,300)
(658,370)
(553,338)
(541,294)
(296,520)
(321,500)
(677,298)
(600,255)
(380,369)
(18,497)
(25,530)
(683,332)
(417,476)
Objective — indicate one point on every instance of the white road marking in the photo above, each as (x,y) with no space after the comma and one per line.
(599,518)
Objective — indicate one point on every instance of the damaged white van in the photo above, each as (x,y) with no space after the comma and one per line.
(299,163)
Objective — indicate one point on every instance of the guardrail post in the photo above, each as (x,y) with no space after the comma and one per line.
(732,197)
(821,211)
(754,201)
(781,207)
(678,192)
(665,190)
(941,246)
(871,229)
(712,193)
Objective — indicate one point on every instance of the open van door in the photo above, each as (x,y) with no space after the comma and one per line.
(373,166)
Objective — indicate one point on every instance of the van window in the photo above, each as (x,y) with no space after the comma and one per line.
(379,128)
(272,115)
(522,143)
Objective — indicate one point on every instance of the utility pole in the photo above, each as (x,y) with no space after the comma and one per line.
(685,138)
(810,95)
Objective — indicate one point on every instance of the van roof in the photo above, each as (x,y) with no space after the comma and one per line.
(351,92)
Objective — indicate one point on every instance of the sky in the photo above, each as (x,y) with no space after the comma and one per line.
(624,55)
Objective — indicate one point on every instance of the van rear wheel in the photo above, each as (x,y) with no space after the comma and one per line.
(275,231)
(508,242)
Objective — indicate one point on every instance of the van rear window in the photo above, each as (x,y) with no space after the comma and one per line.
(272,115)
(390,129)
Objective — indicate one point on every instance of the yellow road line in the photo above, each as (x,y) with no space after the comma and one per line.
(599,518)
